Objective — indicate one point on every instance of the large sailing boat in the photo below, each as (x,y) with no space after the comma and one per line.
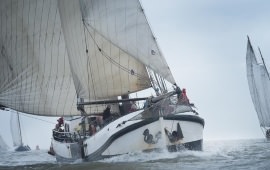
(77,58)
(259,86)
(16,133)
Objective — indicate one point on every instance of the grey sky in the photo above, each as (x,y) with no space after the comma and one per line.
(204,43)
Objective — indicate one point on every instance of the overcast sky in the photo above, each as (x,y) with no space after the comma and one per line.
(204,43)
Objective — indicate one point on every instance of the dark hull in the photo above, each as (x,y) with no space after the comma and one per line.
(22,148)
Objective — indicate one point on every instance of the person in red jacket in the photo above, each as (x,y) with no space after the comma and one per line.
(183,99)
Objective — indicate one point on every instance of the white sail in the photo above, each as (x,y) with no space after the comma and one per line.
(100,68)
(15,129)
(123,23)
(109,45)
(53,52)
(259,86)
(35,75)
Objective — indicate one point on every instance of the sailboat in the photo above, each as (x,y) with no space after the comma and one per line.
(259,86)
(75,59)
(16,133)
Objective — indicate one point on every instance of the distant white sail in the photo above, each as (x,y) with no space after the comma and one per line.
(259,86)
(15,129)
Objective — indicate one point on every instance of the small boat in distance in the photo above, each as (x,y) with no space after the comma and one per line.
(16,132)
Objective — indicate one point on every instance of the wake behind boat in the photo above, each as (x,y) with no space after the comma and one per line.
(77,59)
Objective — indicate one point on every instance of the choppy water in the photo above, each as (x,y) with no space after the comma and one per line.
(235,154)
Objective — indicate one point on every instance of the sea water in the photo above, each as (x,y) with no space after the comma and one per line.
(233,154)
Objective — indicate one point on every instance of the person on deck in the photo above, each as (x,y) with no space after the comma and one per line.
(183,99)
(107,114)
(133,107)
(60,122)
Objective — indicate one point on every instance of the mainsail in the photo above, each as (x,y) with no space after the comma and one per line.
(53,52)
(259,86)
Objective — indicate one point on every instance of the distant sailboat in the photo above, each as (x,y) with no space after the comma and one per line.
(15,127)
(259,86)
